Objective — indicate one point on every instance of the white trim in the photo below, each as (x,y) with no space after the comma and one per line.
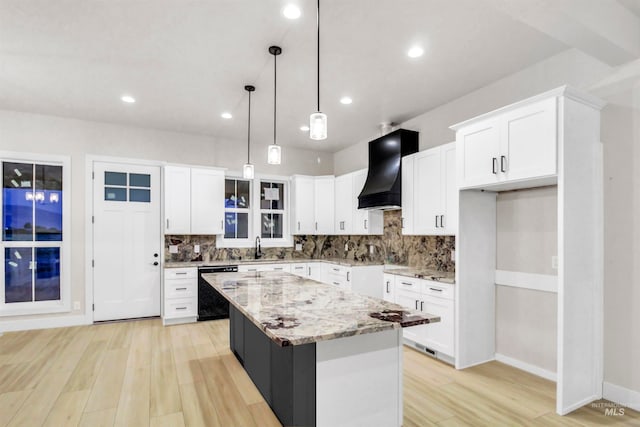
(471,365)
(621,395)
(43,323)
(527,367)
(577,405)
(533,281)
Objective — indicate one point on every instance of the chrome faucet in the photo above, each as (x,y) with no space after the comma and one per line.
(258,253)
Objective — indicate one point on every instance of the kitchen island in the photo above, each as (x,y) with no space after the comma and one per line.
(317,354)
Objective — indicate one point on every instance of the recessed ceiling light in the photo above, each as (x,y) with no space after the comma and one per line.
(304,128)
(291,11)
(226,115)
(128,99)
(346,100)
(415,52)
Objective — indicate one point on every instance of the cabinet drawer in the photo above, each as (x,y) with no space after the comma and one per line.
(408,299)
(180,288)
(408,283)
(337,270)
(180,273)
(180,307)
(299,269)
(437,289)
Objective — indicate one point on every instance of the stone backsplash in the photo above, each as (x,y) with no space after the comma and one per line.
(433,252)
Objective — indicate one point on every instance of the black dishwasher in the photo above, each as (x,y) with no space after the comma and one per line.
(212,305)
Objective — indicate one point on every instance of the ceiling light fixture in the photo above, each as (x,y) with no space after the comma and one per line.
(274,153)
(291,11)
(415,52)
(346,100)
(318,120)
(247,169)
(226,115)
(128,99)
(304,128)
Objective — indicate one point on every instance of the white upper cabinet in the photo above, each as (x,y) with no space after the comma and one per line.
(177,200)
(193,200)
(324,204)
(344,204)
(303,198)
(207,201)
(313,209)
(430,194)
(365,221)
(508,146)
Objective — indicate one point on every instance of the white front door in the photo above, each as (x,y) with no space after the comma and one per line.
(126,241)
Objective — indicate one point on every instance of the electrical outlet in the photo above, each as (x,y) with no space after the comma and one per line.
(554,262)
(76,305)
(372,249)
(298,246)
(173,249)
(196,249)
(346,246)
(453,254)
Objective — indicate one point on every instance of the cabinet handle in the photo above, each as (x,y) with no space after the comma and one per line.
(406,283)
(278,268)
(441,221)
(341,225)
(336,269)
(365,224)
(436,221)
(222,225)
(401,222)
(316,226)
(181,274)
(336,283)
(421,305)
(181,308)
(309,274)
(494,165)
(167,223)
(348,275)
(436,289)
(388,286)
(416,304)
(503,160)
(181,289)
(298,225)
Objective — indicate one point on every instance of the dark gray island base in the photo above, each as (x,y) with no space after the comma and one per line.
(320,356)
(285,376)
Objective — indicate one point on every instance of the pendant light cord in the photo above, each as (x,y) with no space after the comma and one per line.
(318,52)
(249,130)
(275,87)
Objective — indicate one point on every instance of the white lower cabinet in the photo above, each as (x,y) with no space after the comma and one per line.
(428,296)
(180,295)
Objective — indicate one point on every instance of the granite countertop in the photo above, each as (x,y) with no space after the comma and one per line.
(292,310)
(341,261)
(421,273)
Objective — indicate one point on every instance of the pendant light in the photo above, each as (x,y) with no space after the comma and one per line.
(318,120)
(274,153)
(247,169)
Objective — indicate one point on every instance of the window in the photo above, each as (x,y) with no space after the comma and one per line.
(250,213)
(34,236)
(115,187)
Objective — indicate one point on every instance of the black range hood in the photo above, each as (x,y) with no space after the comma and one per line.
(382,190)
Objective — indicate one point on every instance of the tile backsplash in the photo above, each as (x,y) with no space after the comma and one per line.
(392,248)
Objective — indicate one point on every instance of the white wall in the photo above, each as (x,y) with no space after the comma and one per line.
(34,133)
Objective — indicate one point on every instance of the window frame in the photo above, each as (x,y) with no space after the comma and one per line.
(62,305)
(255,215)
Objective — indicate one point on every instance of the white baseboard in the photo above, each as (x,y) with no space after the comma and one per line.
(621,395)
(527,367)
(575,406)
(471,365)
(44,323)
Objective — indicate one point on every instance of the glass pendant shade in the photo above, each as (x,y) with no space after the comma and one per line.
(318,126)
(274,155)
(247,171)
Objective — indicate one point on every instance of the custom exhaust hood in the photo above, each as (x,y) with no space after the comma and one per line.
(382,189)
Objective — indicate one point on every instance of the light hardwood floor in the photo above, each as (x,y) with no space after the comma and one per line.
(140,373)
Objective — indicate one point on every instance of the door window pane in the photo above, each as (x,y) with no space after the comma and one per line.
(47,280)
(17,275)
(138,195)
(48,203)
(18,198)
(139,180)
(271,226)
(114,194)
(115,178)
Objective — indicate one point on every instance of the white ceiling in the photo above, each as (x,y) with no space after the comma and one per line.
(187,61)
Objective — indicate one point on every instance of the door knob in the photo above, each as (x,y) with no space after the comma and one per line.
(155,255)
